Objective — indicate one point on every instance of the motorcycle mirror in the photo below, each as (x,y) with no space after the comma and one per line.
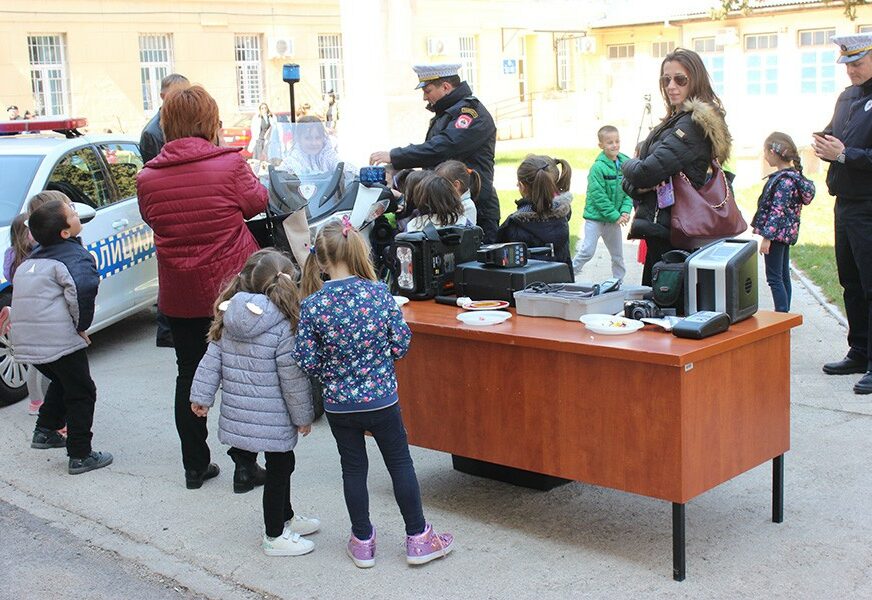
(375,211)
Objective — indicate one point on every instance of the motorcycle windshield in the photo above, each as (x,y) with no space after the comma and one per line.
(308,171)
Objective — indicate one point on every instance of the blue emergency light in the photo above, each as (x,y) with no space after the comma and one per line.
(291,73)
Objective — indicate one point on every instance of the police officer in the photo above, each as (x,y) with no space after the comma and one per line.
(461,129)
(846,144)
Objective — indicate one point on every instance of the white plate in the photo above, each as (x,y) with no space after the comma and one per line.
(615,326)
(595,318)
(401,300)
(483,317)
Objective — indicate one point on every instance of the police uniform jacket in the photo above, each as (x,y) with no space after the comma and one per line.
(852,124)
(462,129)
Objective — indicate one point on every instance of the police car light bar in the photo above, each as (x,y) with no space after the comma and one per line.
(66,126)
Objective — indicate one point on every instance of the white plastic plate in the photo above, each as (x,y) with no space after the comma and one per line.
(481,318)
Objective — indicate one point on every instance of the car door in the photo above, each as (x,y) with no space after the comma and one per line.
(124,161)
(80,174)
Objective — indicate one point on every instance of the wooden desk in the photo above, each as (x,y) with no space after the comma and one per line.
(646,413)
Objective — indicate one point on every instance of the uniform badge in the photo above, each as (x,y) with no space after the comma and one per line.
(868,106)
(466,110)
(680,133)
(463,122)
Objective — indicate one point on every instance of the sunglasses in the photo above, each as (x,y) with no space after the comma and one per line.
(680,79)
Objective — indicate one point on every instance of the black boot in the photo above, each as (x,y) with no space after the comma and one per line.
(194,479)
(247,476)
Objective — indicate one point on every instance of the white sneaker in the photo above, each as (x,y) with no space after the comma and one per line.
(287,544)
(303,525)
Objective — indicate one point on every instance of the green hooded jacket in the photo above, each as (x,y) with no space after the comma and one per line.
(606,200)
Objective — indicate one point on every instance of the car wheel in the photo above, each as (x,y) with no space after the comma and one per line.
(13,376)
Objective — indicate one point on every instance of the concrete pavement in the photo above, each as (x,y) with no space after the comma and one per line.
(574,541)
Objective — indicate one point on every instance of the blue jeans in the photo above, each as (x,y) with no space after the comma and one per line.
(386,426)
(778,275)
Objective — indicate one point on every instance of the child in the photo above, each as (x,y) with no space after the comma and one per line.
(777,216)
(438,204)
(544,209)
(408,181)
(53,294)
(265,396)
(606,207)
(466,182)
(351,332)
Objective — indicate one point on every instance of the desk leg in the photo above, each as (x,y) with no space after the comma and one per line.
(678,546)
(778,489)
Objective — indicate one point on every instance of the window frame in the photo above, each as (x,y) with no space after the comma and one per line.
(331,72)
(629,51)
(657,48)
(563,60)
(248,59)
(468,51)
(41,74)
(151,72)
(817,69)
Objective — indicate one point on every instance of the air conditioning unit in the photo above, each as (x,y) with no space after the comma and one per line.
(280,47)
(585,45)
(436,46)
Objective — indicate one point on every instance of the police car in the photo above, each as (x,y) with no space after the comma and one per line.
(98,172)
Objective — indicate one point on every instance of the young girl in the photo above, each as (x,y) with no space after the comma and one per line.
(466,182)
(778,209)
(544,209)
(266,397)
(438,204)
(408,181)
(350,333)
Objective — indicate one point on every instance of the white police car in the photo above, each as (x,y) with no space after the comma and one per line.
(98,171)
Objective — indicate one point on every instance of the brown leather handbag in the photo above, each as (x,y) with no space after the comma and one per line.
(703,215)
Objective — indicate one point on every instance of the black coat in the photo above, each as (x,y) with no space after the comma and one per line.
(535,230)
(685,142)
(462,129)
(152,139)
(852,124)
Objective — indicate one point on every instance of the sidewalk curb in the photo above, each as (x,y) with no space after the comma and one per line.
(192,576)
(815,291)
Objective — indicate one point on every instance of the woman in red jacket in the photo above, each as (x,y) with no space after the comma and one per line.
(196,196)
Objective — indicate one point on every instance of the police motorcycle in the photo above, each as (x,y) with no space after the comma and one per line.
(309,184)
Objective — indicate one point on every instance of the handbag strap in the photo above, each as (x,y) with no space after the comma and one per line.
(716,171)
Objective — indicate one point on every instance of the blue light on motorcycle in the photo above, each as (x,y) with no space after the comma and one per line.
(370,175)
(405,279)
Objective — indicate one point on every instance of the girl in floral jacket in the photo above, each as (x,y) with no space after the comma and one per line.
(778,209)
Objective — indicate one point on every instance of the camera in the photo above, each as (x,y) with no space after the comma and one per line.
(639,309)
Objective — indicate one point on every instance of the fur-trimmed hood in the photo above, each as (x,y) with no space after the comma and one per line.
(561,208)
(712,122)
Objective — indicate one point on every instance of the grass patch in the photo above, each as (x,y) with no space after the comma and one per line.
(814,254)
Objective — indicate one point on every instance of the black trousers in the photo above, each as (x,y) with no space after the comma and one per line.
(853,239)
(277,491)
(69,400)
(189,336)
(163,328)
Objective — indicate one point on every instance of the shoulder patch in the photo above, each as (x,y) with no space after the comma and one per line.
(463,122)
(680,133)
(467,110)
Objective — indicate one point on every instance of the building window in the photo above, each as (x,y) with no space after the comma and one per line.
(817,62)
(864,29)
(249,71)
(713,58)
(661,49)
(761,66)
(48,74)
(622,51)
(330,62)
(564,72)
(761,41)
(155,63)
(468,70)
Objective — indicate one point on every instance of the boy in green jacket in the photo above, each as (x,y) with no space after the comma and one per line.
(606,207)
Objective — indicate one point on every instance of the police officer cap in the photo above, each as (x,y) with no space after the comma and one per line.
(853,47)
(428,73)
(11,107)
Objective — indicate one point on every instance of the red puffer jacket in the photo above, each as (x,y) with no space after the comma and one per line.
(195,196)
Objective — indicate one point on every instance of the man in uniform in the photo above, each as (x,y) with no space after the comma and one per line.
(150,143)
(461,129)
(12,113)
(846,144)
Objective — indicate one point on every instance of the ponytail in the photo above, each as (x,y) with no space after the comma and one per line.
(474,184)
(337,242)
(540,177)
(565,178)
(311,280)
(469,179)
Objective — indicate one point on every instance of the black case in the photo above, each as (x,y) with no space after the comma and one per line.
(482,282)
(434,252)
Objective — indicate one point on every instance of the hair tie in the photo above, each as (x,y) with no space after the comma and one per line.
(346,225)
(312,249)
(777,148)
(468,171)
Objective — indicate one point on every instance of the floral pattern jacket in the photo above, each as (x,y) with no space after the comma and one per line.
(778,208)
(350,333)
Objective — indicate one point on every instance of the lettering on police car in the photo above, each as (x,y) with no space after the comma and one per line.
(116,253)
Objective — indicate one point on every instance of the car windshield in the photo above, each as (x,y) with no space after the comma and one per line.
(16,175)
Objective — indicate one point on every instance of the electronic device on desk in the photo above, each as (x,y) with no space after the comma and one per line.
(509,254)
(485,282)
(645,309)
(722,277)
(701,325)
(426,260)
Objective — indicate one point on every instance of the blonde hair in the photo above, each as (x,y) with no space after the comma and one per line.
(268,272)
(336,243)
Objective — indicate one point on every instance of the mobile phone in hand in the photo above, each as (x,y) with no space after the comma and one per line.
(820,133)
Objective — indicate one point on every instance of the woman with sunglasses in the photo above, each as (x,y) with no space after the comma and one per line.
(692,133)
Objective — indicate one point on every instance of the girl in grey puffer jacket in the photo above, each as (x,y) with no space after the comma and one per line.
(265,397)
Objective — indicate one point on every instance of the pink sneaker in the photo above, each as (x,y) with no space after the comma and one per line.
(362,552)
(427,546)
(33,407)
